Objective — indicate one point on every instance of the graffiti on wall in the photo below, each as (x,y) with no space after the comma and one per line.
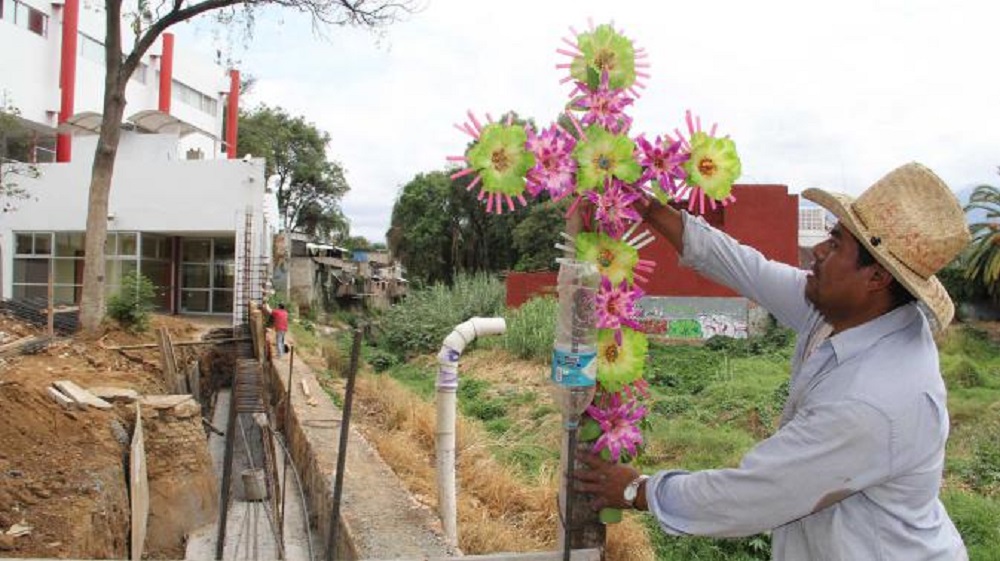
(678,317)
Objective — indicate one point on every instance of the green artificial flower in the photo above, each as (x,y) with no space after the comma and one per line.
(620,365)
(604,50)
(713,165)
(501,159)
(614,259)
(603,155)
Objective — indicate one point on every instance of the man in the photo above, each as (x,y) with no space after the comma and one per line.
(854,470)
(279,321)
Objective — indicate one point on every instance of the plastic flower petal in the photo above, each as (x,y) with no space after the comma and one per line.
(620,365)
(616,307)
(603,106)
(602,156)
(555,168)
(663,163)
(615,259)
(619,422)
(604,50)
(713,165)
(499,159)
(613,208)
(711,168)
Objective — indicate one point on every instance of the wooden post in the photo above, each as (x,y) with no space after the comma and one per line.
(52,301)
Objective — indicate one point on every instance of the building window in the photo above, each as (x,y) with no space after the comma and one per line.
(196,99)
(812,219)
(91,49)
(208,275)
(23,15)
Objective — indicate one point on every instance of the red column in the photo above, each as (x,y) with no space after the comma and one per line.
(67,75)
(233,113)
(166,71)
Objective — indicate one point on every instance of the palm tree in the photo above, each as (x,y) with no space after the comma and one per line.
(983,260)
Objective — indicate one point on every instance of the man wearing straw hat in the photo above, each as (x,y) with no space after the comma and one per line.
(853,472)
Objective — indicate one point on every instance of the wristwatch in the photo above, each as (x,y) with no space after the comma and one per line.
(632,490)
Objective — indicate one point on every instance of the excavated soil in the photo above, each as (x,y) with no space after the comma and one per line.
(62,471)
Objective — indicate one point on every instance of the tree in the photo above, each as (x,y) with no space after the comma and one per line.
(309,185)
(13,156)
(535,238)
(148,21)
(983,259)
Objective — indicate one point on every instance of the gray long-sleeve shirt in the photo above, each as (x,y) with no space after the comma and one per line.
(854,470)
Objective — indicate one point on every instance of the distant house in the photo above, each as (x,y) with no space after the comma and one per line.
(814,226)
(682,304)
(324,275)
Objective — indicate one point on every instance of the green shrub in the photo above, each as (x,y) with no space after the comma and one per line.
(419,324)
(964,374)
(133,303)
(380,360)
(531,329)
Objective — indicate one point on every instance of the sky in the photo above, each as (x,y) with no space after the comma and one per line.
(815,94)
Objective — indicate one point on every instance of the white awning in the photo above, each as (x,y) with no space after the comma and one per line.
(157,121)
(85,122)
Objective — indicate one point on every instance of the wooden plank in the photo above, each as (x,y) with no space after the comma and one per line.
(139,492)
(80,395)
(177,344)
(179,378)
(61,398)
(15,345)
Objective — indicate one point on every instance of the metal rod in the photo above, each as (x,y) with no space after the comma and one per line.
(284,427)
(227,472)
(338,485)
(568,516)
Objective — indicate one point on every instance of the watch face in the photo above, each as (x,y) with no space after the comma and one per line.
(630,492)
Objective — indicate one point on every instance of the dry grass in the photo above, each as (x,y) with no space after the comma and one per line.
(498,509)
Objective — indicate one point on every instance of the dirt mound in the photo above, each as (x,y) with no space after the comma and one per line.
(61,473)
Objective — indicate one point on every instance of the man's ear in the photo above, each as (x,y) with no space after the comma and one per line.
(880,277)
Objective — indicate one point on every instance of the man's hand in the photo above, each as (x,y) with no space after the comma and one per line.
(606,481)
(665,219)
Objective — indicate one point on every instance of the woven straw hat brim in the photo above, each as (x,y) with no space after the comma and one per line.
(929,291)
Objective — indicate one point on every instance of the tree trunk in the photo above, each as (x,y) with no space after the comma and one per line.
(92,299)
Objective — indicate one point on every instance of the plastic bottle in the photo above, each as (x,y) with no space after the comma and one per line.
(574,354)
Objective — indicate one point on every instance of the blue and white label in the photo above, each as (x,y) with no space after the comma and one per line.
(574,369)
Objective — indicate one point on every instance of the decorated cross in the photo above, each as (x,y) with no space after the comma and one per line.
(607,172)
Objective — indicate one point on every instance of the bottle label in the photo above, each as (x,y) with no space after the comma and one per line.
(574,369)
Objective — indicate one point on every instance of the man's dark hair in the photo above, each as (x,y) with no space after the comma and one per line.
(281,306)
(900,295)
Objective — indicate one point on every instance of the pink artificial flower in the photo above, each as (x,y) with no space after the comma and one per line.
(613,208)
(616,307)
(555,167)
(619,425)
(604,106)
(662,161)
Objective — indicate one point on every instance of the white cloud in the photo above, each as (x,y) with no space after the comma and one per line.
(829,95)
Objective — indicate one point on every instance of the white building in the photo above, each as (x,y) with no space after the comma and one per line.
(197,224)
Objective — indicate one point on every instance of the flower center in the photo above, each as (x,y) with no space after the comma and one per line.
(603,162)
(707,167)
(500,160)
(606,258)
(611,353)
(604,60)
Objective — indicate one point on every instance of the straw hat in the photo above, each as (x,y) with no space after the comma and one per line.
(912,224)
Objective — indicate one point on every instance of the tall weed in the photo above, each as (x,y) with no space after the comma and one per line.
(420,323)
(531,329)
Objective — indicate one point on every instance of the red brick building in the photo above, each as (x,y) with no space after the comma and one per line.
(764,216)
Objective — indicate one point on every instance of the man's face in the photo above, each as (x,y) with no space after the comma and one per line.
(836,285)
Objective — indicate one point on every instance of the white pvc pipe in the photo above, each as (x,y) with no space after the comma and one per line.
(447,385)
